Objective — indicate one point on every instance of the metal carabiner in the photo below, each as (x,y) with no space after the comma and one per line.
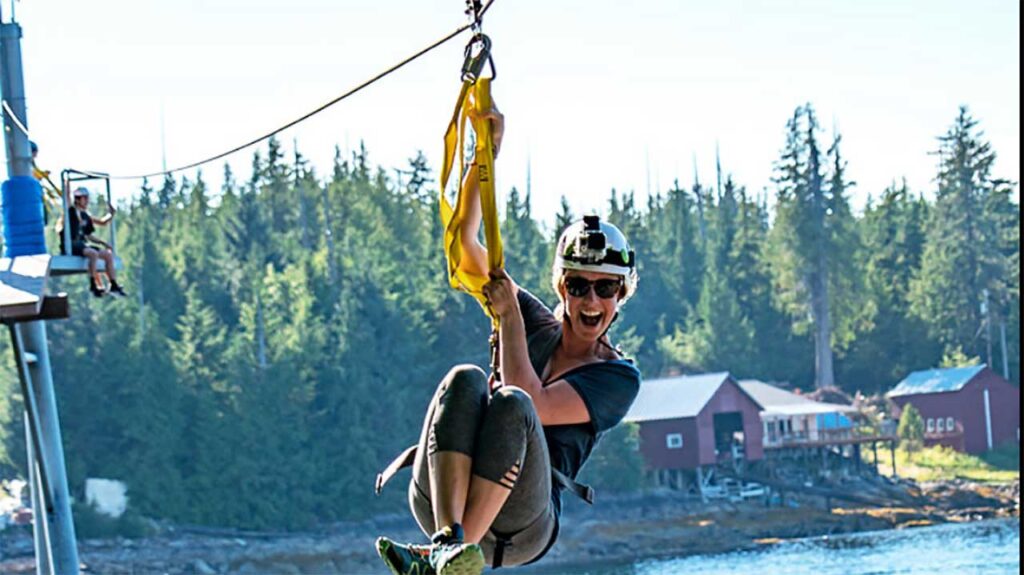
(478,53)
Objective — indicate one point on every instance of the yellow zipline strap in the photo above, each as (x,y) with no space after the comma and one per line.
(475,96)
(50,191)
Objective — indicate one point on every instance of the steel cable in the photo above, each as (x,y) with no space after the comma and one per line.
(284,127)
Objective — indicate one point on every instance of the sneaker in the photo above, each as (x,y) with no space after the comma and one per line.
(97,292)
(450,556)
(116,289)
(405,558)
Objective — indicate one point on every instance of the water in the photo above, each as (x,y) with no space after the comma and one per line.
(989,547)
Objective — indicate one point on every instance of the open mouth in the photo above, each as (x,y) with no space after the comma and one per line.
(591,318)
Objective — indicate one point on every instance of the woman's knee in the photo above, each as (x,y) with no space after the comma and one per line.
(459,406)
(505,436)
(511,403)
(466,380)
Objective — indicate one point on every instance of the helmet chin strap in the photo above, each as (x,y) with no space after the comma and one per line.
(603,339)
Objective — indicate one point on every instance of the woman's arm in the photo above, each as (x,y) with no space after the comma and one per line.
(474,254)
(111,210)
(557,403)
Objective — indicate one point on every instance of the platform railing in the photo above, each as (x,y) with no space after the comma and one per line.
(70,177)
(66,262)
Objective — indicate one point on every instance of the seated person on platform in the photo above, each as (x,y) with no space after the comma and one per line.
(85,244)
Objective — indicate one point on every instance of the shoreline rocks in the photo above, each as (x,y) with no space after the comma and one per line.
(617,529)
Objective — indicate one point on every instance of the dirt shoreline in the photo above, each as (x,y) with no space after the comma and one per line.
(617,529)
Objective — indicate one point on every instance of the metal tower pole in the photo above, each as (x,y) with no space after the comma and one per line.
(40,535)
(54,513)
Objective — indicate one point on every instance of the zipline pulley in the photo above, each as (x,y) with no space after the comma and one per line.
(474,10)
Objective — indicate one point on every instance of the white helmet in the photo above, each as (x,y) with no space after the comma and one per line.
(594,246)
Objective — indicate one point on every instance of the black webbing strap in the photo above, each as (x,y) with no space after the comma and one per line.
(403,460)
(584,492)
(500,543)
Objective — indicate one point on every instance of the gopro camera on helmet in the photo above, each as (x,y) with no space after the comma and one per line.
(590,245)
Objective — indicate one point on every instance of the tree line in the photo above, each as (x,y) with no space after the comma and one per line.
(284,334)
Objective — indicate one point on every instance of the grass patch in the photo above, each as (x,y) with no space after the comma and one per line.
(1001,465)
(1005,457)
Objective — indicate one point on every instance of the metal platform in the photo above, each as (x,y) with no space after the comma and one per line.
(71,265)
(22,285)
(67,264)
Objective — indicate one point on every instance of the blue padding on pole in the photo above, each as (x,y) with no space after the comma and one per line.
(23,217)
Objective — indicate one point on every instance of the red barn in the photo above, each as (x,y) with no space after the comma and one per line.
(690,421)
(970,409)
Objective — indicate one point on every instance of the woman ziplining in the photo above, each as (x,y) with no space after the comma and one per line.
(495,453)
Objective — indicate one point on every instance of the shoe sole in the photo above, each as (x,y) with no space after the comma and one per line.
(382,545)
(469,562)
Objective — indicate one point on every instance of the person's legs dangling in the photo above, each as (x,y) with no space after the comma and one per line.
(441,474)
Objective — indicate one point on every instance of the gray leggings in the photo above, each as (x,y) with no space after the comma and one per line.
(503,435)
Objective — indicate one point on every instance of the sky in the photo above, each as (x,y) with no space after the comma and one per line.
(597,94)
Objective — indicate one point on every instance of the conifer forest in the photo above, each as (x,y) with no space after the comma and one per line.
(283,335)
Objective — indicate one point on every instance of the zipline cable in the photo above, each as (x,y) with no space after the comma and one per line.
(294,122)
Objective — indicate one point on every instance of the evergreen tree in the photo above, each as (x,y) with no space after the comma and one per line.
(564,217)
(812,242)
(525,247)
(263,352)
(670,266)
(616,463)
(970,246)
(718,335)
(895,343)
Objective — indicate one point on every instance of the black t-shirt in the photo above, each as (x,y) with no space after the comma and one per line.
(607,388)
(81,225)
(87,226)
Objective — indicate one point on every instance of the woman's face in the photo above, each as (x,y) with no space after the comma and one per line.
(590,314)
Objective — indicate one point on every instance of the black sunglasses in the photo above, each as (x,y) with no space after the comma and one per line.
(580,286)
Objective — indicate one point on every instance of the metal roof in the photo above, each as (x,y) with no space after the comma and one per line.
(674,397)
(936,380)
(775,401)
